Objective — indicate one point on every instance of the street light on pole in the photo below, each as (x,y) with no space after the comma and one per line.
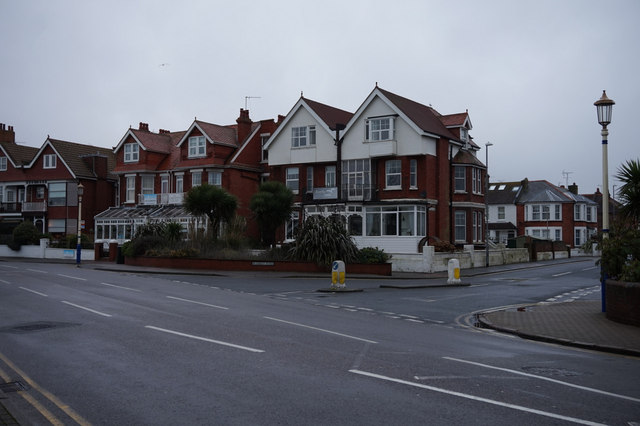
(486,205)
(79,245)
(604,107)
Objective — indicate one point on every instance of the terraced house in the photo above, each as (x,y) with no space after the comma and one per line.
(156,169)
(42,184)
(397,172)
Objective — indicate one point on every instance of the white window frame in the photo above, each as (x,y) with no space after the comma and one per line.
(214,178)
(330,176)
(196,178)
(309,178)
(3,164)
(460,228)
(293,179)
(393,174)
(147,184)
(130,189)
(379,129)
(535,213)
(264,138)
(460,178)
(197,147)
(179,184)
(501,213)
(557,212)
(49,161)
(164,184)
(54,188)
(413,173)
(131,152)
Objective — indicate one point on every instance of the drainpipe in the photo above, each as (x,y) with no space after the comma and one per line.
(338,143)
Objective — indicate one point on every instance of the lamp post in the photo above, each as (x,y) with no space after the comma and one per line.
(486,206)
(604,107)
(79,245)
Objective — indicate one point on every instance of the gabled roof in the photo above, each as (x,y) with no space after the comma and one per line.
(577,197)
(326,116)
(465,157)
(426,118)
(18,155)
(541,191)
(148,141)
(214,133)
(456,120)
(71,154)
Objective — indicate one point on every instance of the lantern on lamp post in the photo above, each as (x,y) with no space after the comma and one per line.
(79,245)
(604,107)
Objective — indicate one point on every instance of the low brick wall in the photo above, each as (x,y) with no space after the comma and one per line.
(623,302)
(252,265)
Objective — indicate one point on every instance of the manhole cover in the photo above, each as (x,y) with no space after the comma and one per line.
(550,371)
(36,326)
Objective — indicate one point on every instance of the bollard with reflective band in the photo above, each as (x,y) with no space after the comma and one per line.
(454,271)
(338,274)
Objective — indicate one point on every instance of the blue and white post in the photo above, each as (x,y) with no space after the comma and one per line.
(338,275)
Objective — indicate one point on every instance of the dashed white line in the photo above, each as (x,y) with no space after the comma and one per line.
(119,286)
(72,277)
(561,274)
(4,282)
(475,398)
(196,302)
(7,266)
(204,339)
(37,270)
(320,329)
(544,378)
(86,309)
(33,291)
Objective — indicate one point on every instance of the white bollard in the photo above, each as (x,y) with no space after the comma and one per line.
(338,274)
(454,271)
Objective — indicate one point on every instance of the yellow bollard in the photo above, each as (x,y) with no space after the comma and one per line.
(338,275)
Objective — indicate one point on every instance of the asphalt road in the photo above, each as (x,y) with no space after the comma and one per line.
(95,347)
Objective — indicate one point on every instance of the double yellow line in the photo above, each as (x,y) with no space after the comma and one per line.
(51,418)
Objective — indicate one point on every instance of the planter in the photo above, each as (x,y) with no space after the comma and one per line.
(252,265)
(623,302)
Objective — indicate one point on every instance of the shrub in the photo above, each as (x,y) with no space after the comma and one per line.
(621,253)
(323,240)
(25,233)
(373,255)
(443,246)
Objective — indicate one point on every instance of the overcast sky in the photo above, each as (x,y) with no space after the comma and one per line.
(527,71)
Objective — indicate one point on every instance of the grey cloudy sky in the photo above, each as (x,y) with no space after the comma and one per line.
(527,71)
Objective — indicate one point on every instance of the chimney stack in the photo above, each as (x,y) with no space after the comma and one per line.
(7,134)
(163,132)
(244,125)
(144,126)
(573,188)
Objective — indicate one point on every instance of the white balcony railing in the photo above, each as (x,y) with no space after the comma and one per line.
(161,199)
(37,206)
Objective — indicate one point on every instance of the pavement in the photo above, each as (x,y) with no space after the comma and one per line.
(578,323)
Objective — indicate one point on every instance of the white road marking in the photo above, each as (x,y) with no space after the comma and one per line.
(4,282)
(545,378)
(86,309)
(7,266)
(197,303)
(204,339)
(320,329)
(589,269)
(71,277)
(476,398)
(563,273)
(33,291)
(37,270)
(119,286)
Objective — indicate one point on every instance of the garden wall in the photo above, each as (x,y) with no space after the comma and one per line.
(623,302)
(43,251)
(429,261)
(249,265)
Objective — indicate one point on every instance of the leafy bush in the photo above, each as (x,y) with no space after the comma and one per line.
(323,240)
(25,233)
(140,245)
(373,255)
(441,246)
(621,253)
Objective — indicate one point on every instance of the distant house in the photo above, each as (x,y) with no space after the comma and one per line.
(156,170)
(542,210)
(397,172)
(41,185)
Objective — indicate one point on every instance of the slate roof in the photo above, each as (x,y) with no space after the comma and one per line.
(428,119)
(329,114)
(541,191)
(73,153)
(19,154)
(504,192)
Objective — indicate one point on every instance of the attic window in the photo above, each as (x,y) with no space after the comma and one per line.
(131,152)
(515,188)
(464,134)
(49,161)
(502,187)
(492,187)
(197,147)
(3,163)
(379,129)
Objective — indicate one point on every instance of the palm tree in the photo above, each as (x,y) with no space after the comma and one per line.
(629,175)
(214,202)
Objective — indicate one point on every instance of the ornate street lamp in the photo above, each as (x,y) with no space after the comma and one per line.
(79,245)
(486,205)
(604,107)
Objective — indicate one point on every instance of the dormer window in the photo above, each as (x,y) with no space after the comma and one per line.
(379,129)
(303,136)
(197,147)
(49,161)
(464,134)
(3,163)
(131,152)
